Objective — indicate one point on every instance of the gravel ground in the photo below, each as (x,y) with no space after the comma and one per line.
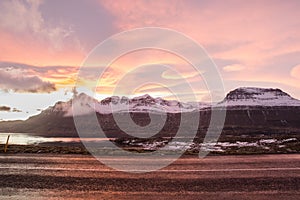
(48,176)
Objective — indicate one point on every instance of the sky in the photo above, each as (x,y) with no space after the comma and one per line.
(44,43)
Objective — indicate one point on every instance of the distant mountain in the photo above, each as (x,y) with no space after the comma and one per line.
(236,99)
(249,111)
(250,96)
(83,101)
(144,103)
(86,105)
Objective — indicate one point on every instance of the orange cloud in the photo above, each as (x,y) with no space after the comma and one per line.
(253,34)
(21,77)
(26,37)
(31,51)
(233,68)
(143,65)
(255,40)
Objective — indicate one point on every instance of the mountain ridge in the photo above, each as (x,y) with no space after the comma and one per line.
(240,97)
(251,96)
(273,112)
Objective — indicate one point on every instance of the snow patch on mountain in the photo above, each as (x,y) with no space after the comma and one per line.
(83,104)
(144,103)
(251,96)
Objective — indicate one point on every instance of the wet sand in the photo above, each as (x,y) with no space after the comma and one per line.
(48,176)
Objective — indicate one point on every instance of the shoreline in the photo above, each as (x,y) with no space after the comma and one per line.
(78,148)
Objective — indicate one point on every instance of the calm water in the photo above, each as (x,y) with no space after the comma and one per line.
(25,139)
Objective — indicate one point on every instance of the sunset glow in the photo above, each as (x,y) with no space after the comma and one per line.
(44,43)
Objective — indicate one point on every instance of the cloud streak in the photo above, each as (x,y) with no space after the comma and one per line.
(233,68)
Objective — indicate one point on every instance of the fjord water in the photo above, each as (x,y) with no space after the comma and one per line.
(27,139)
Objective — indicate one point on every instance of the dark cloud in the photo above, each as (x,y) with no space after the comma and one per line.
(16,110)
(19,82)
(9,109)
(5,109)
(20,77)
(25,78)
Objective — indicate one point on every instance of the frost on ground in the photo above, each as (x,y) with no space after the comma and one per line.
(288,145)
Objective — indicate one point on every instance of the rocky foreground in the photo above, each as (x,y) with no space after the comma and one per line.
(230,146)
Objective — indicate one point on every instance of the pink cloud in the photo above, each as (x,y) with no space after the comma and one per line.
(27,37)
(252,33)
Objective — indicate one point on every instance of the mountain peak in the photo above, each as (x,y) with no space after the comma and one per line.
(252,92)
(251,96)
(83,102)
(126,100)
(240,97)
(83,97)
(145,96)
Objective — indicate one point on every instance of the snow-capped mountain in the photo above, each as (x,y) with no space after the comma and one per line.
(249,111)
(241,97)
(144,103)
(250,96)
(83,104)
